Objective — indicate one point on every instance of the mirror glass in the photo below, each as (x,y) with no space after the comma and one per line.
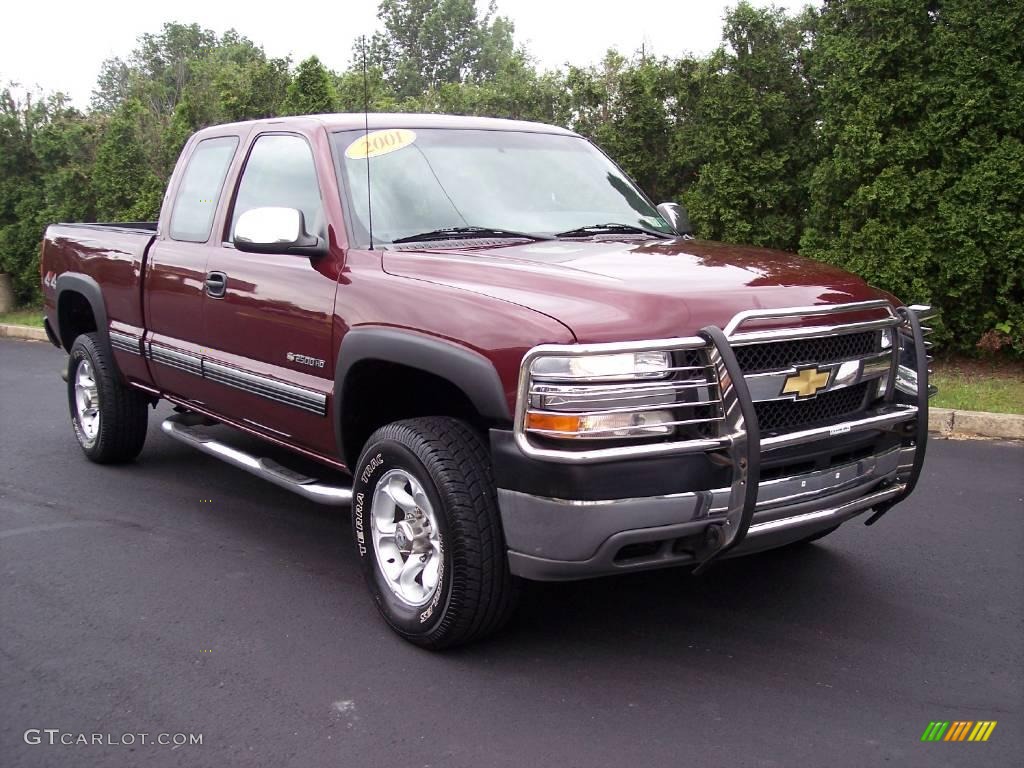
(676,215)
(269,226)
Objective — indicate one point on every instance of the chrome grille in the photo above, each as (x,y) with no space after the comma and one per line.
(771,356)
(788,415)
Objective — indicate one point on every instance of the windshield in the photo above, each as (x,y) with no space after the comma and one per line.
(433,179)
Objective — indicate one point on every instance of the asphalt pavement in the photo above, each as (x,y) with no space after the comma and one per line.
(180,595)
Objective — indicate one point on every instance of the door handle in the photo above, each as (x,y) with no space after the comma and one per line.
(216,284)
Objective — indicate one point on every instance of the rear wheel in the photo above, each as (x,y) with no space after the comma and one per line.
(425,521)
(108,417)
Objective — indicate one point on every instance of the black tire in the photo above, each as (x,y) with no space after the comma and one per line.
(123,418)
(475,593)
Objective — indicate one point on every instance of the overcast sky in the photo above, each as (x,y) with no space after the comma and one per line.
(59,45)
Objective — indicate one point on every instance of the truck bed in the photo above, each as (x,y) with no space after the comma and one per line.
(110,254)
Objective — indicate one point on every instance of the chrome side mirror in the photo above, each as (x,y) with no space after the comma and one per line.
(677,217)
(276,230)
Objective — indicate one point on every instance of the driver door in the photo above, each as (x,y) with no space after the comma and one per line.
(268,329)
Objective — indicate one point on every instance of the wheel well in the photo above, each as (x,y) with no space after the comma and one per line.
(377,392)
(74,317)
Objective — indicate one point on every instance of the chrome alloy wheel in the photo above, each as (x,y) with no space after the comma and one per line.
(87,402)
(406,537)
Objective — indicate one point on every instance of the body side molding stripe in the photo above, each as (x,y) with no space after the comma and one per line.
(174,359)
(265,387)
(262,386)
(125,342)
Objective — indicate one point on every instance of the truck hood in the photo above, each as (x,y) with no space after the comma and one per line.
(616,291)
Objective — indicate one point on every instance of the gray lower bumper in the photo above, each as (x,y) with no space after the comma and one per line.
(558,539)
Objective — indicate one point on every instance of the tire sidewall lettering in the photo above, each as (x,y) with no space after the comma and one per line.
(439,591)
(377,459)
(371,467)
(357,522)
(359,505)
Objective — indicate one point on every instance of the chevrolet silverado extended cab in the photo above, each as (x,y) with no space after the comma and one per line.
(517,364)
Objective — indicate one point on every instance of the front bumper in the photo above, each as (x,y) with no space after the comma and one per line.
(552,539)
(730,497)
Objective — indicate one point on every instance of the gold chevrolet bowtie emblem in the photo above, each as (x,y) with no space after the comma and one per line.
(806,383)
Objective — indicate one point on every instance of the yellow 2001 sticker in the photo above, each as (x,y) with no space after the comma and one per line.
(378,143)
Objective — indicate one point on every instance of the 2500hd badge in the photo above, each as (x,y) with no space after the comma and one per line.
(315,362)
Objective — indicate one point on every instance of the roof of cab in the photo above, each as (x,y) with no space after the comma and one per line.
(379,120)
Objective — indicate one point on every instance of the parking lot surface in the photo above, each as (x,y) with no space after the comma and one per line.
(180,595)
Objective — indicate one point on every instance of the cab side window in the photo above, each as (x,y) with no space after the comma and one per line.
(280,173)
(196,199)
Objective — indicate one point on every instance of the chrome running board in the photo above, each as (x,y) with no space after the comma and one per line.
(310,488)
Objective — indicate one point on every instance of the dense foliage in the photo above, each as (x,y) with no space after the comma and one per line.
(886,136)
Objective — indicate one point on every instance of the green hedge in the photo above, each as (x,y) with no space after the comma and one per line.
(884,136)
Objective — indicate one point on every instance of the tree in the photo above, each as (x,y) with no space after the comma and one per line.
(254,89)
(885,136)
(496,49)
(426,44)
(124,183)
(745,140)
(515,91)
(186,78)
(622,105)
(46,157)
(19,180)
(311,92)
(158,70)
(921,185)
(359,93)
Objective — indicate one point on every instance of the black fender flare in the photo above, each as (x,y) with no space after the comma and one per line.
(466,369)
(88,287)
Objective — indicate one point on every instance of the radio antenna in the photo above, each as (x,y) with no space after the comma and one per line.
(366,143)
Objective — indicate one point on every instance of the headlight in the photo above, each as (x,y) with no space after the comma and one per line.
(575,397)
(627,365)
(621,395)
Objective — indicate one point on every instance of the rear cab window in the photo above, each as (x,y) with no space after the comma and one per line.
(196,199)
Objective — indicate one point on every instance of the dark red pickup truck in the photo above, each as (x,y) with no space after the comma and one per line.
(525,368)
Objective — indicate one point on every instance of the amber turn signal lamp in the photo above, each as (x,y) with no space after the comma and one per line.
(552,422)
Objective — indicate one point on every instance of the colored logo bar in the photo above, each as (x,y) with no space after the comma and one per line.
(958,730)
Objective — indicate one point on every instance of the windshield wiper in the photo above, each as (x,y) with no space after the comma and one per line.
(465,233)
(611,229)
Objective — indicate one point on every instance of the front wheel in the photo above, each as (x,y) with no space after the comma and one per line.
(109,418)
(426,523)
